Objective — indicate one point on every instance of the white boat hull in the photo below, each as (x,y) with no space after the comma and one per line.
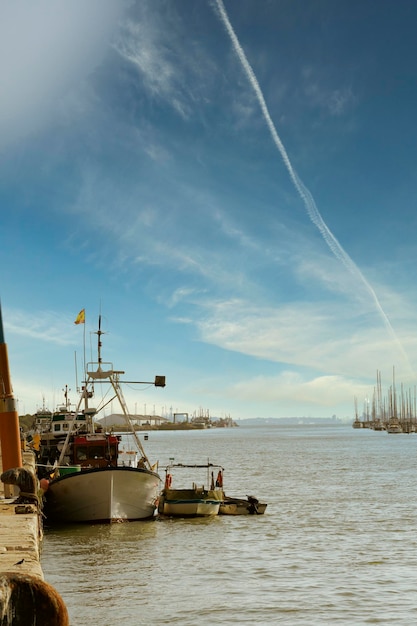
(107,494)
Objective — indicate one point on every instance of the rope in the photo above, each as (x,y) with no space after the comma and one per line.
(31,496)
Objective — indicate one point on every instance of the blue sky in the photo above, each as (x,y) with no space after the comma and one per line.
(232,184)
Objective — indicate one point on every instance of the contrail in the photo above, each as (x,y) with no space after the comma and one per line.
(305,194)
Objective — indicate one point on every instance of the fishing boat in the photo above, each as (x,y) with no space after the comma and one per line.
(196,501)
(241,506)
(91,481)
(51,429)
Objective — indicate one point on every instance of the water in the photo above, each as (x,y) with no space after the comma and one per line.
(337,544)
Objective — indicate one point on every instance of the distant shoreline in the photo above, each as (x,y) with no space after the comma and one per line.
(252,422)
(294,421)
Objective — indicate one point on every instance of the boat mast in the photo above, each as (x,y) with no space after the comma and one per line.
(99,333)
(113,377)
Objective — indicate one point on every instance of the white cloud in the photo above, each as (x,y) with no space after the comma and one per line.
(295,391)
(46,49)
(324,337)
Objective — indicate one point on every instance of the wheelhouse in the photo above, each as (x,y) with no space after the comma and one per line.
(95,450)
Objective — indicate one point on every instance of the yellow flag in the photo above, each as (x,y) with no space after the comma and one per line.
(80,317)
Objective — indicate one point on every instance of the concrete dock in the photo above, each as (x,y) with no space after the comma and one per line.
(26,599)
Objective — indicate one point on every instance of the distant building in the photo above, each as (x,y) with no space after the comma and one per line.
(137,420)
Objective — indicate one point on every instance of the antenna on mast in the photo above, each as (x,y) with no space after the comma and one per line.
(99,333)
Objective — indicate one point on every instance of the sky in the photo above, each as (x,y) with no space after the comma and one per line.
(230,184)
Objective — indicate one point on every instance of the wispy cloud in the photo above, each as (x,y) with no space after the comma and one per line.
(140,45)
(158,46)
(46,327)
(256,322)
(307,335)
(304,193)
(336,101)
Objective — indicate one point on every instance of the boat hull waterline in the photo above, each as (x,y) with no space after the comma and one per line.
(189,503)
(109,494)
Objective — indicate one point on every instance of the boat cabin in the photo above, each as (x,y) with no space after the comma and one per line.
(62,422)
(98,450)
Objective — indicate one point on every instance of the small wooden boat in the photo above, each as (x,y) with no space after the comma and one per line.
(240,506)
(195,501)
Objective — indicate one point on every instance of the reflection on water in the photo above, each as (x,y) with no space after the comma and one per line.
(337,543)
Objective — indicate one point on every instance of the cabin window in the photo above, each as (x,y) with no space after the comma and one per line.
(81,453)
(57,427)
(97,452)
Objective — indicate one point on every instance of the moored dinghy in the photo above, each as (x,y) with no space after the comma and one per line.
(240,506)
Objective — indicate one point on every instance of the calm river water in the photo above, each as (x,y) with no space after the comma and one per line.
(337,544)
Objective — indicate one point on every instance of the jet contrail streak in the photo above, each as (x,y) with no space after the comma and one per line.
(305,194)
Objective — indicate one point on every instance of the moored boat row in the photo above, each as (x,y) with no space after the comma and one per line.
(395,413)
(200,500)
(88,476)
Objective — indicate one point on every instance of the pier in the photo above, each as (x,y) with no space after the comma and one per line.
(26,599)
